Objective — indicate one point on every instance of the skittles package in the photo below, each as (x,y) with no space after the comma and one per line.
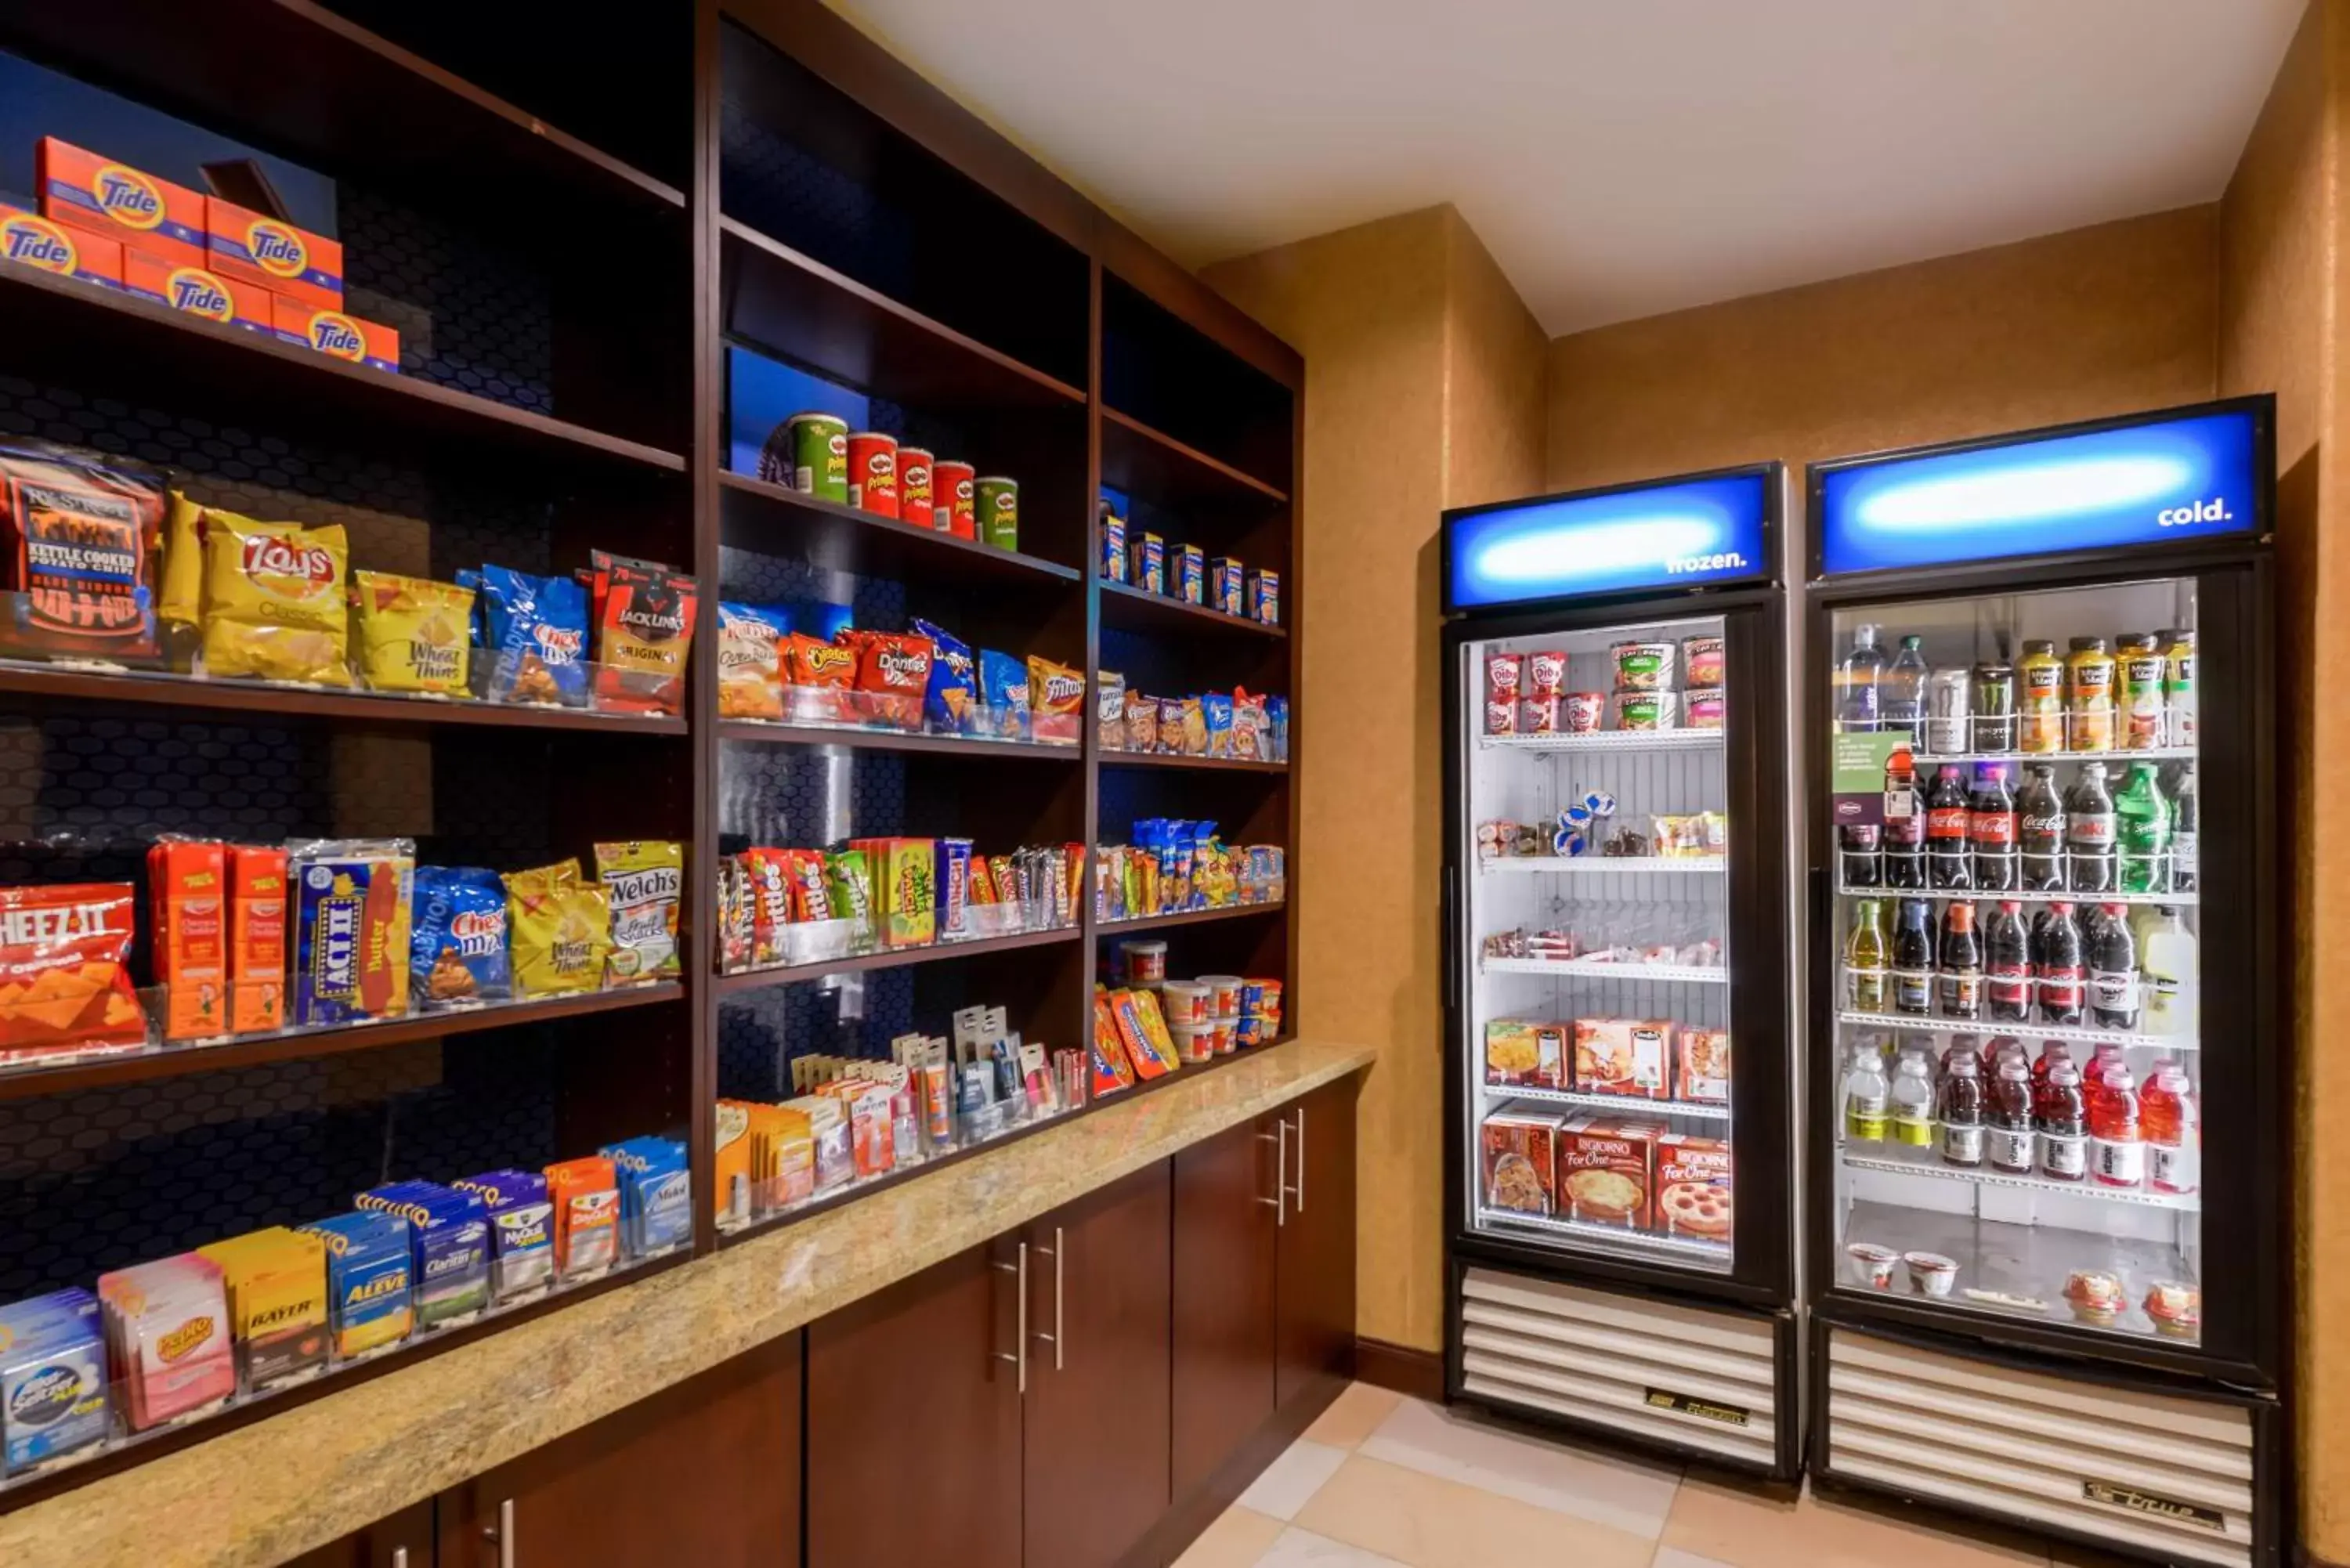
(457,938)
(560,927)
(751,641)
(645,883)
(273,601)
(414,635)
(644,627)
(1003,689)
(82,531)
(350,928)
(534,633)
(1057,701)
(950,706)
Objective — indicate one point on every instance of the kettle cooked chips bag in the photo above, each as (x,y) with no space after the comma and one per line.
(82,531)
(273,600)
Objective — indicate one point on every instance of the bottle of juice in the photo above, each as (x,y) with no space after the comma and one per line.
(1959,981)
(1913,1100)
(1963,1112)
(2089,696)
(1864,959)
(2040,699)
(2178,689)
(2061,1114)
(2166,964)
(2174,1130)
(1865,1094)
(2116,1133)
(2007,1118)
(2139,701)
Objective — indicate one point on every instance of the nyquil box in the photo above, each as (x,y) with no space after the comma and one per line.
(52,1378)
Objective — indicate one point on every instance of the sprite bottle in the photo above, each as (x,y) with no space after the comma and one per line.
(2142,833)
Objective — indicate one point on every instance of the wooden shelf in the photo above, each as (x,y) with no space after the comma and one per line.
(1125,608)
(830,323)
(1174,760)
(61,328)
(57,684)
(756,732)
(773,521)
(1159,468)
(26,1082)
(1185,917)
(893,957)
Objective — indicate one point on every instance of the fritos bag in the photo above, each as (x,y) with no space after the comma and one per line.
(82,533)
(1057,701)
(63,983)
(273,600)
(644,629)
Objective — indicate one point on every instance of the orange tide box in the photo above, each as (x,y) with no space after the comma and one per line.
(256,938)
(30,240)
(199,292)
(253,247)
(332,333)
(187,889)
(124,205)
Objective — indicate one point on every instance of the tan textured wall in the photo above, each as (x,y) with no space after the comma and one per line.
(1423,390)
(2099,320)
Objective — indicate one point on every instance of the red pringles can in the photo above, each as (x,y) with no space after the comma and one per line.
(873,472)
(915,468)
(954,504)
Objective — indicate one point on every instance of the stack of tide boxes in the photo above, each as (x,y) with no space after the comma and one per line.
(119,227)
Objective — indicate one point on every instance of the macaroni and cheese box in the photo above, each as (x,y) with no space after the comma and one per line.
(522,1231)
(276,1285)
(187,893)
(256,938)
(52,1378)
(30,240)
(1606,1171)
(335,334)
(167,1338)
(195,292)
(586,1199)
(254,248)
(449,1233)
(116,201)
(369,1302)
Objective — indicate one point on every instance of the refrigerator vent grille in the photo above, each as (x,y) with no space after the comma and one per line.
(2163,1475)
(1697,1378)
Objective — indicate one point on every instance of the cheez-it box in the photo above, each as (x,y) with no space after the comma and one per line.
(30,240)
(197,292)
(336,335)
(1606,1171)
(121,204)
(253,247)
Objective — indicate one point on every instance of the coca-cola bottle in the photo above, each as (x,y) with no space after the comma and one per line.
(1990,829)
(2059,965)
(2112,972)
(2007,965)
(1905,824)
(2040,831)
(2089,833)
(1948,860)
(1960,979)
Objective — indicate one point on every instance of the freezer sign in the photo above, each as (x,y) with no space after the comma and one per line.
(1684,1405)
(2139,1502)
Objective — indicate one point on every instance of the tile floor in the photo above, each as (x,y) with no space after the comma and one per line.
(1383,1481)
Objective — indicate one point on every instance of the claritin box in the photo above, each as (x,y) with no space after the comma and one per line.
(124,205)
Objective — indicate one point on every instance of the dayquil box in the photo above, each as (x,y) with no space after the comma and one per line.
(334,334)
(118,202)
(199,292)
(30,240)
(253,247)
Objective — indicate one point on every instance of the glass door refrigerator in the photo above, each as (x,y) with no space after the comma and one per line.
(1617,910)
(2044,1037)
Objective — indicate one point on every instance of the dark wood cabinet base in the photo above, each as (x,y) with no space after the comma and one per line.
(1191,1515)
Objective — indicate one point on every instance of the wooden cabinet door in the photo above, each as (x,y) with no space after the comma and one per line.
(1095,1465)
(1225,1228)
(1316,1272)
(403,1541)
(706,1472)
(913,1423)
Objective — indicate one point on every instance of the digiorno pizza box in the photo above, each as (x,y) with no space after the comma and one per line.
(1606,1170)
(1694,1186)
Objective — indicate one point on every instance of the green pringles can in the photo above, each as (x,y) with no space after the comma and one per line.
(810,452)
(998,504)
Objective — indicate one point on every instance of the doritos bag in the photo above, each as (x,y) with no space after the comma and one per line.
(950,706)
(893,673)
(82,534)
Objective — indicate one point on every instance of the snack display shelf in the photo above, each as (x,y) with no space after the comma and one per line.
(1136,457)
(1605,741)
(776,732)
(67,1070)
(2142,1197)
(1987,1028)
(1607,969)
(772,520)
(1689,1108)
(1977,896)
(1601,865)
(1499,1221)
(1125,608)
(890,958)
(1188,916)
(1181,760)
(2151,754)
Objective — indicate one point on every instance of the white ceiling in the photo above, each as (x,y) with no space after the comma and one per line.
(1620,157)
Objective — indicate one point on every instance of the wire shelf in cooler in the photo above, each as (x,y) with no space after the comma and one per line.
(1593,864)
(1604,969)
(1607,1235)
(2153,754)
(1607,741)
(1915,1025)
(1977,896)
(2142,1197)
(1609,1102)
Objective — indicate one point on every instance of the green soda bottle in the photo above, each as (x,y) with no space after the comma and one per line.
(2142,833)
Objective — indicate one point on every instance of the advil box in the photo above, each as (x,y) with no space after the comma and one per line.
(249,247)
(333,332)
(30,240)
(121,204)
(196,291)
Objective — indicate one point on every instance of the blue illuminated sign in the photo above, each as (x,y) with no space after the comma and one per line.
(1669,535)
(2156,483)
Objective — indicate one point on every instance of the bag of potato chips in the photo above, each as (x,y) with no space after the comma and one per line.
(558,930)
(414,635)
(750,660)
(273,600)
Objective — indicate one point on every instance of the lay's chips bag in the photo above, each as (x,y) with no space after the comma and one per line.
(273,600)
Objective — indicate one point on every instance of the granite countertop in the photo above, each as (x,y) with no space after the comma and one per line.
(262,1493)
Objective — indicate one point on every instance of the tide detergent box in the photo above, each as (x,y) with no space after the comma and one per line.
(126,205)
(276,1284)
(656,1197)
(336,335)
(28,239)
(167,1338)
(254,248)
(52,1378)
(368,1298)
(201,294)
(449,1235)
(522,1231)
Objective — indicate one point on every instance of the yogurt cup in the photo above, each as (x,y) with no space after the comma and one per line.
(1185,1002)
(1193,1042)
(1874,1263)
(1224,995)
(1931,1273)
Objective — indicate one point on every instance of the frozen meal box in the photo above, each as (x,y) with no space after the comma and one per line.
(1520,1159)
(126,205)
(272,254)
(1606,1171)
(1702,1065)
(52,1378)
(1694,1186)
(1622,1055)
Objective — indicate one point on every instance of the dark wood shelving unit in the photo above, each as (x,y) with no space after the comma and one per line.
(753,732)
(894,958)
(757,515)
(1188,917)
(1181,760)
(64,684)
(1129,608)
(1137,458)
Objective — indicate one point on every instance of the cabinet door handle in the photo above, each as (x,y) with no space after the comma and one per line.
(1298,1192)
(1279,1136)
(1054,1338)
(400,1557)
(1019,1357)
(503,1532)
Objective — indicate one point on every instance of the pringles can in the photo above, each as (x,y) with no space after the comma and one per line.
(954,506)
(914,469)
(873,472)
(998,504)
(810,452)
